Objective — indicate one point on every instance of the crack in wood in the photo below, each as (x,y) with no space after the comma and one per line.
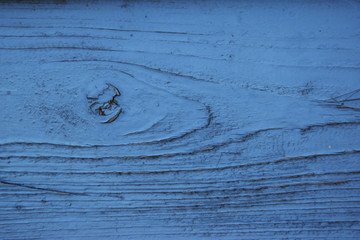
(41,189)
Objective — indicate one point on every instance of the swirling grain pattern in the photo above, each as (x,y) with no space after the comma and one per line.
(239,120)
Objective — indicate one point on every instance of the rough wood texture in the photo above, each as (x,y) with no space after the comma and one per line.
(238,121)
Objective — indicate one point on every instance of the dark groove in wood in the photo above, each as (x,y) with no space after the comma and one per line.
(188,170)
(108,29)
(37,188)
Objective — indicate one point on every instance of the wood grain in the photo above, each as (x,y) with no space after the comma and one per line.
(240,120)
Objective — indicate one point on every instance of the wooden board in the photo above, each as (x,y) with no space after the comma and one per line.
(238,120)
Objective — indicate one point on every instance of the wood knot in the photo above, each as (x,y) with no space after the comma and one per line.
(105,104)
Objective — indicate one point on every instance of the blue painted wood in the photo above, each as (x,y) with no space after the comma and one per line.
(239,120)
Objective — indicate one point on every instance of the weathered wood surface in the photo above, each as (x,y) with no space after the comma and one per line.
(239,120)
